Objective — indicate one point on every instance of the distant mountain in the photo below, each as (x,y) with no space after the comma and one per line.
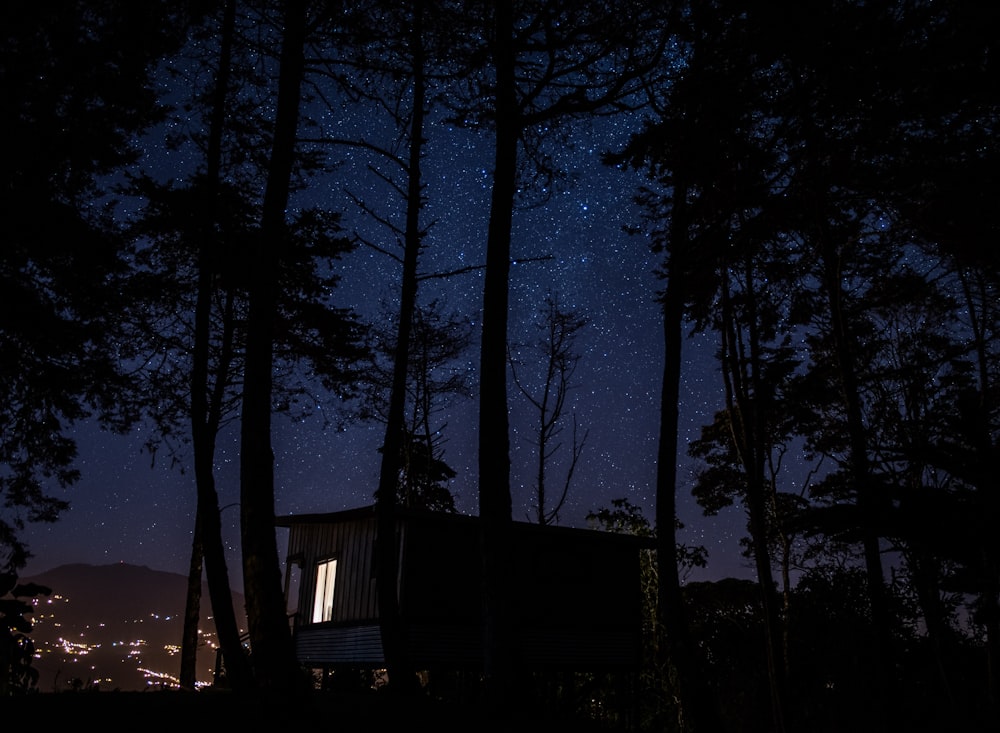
(117,627)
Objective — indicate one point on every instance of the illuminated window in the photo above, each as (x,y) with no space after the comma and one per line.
(326,576)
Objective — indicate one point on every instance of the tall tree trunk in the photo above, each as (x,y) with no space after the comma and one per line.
(869,505)
(926,579)
(271,649)
(392,623)
(744,392)
(192,613)
(698,712)
(208,548)
(986,487)
(494,439)
(237,667)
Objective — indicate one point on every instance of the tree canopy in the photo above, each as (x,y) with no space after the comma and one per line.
(819,185)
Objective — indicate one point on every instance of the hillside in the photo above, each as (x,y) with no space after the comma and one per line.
(117,627)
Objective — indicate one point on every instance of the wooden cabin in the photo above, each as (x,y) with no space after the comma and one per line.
(576,592)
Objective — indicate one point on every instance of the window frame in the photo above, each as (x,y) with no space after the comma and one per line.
(324,590)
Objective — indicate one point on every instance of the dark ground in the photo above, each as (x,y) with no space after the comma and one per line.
(180,711)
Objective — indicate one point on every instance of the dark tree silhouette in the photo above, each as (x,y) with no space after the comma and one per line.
(554,350)
(273,657)
(438,343)
(394,57)
(548,64)
(77,89)
(207,409)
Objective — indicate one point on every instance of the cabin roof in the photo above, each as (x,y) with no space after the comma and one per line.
(368,512)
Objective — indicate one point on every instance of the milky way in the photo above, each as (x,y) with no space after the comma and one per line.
(130,508)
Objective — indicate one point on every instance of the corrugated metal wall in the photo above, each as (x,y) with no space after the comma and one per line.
(575,605)
(352,544)
(324,646)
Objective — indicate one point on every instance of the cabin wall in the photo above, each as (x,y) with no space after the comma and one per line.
(559,578)
(575,581)
(441,572)
(352,544)
(576,597)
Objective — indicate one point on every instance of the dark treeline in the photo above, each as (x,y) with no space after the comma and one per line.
(820,185)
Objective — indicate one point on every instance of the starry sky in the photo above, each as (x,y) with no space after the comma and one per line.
(136,508)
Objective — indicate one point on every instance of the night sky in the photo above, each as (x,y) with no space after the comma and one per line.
(129,508)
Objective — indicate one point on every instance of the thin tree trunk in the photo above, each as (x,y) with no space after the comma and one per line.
(494,438)
(988,495)
(271,649)
(926,580)
(392,623)
(237,667)
(867,503)
(743,394)
(698,712)
(208,548)
(192,613)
